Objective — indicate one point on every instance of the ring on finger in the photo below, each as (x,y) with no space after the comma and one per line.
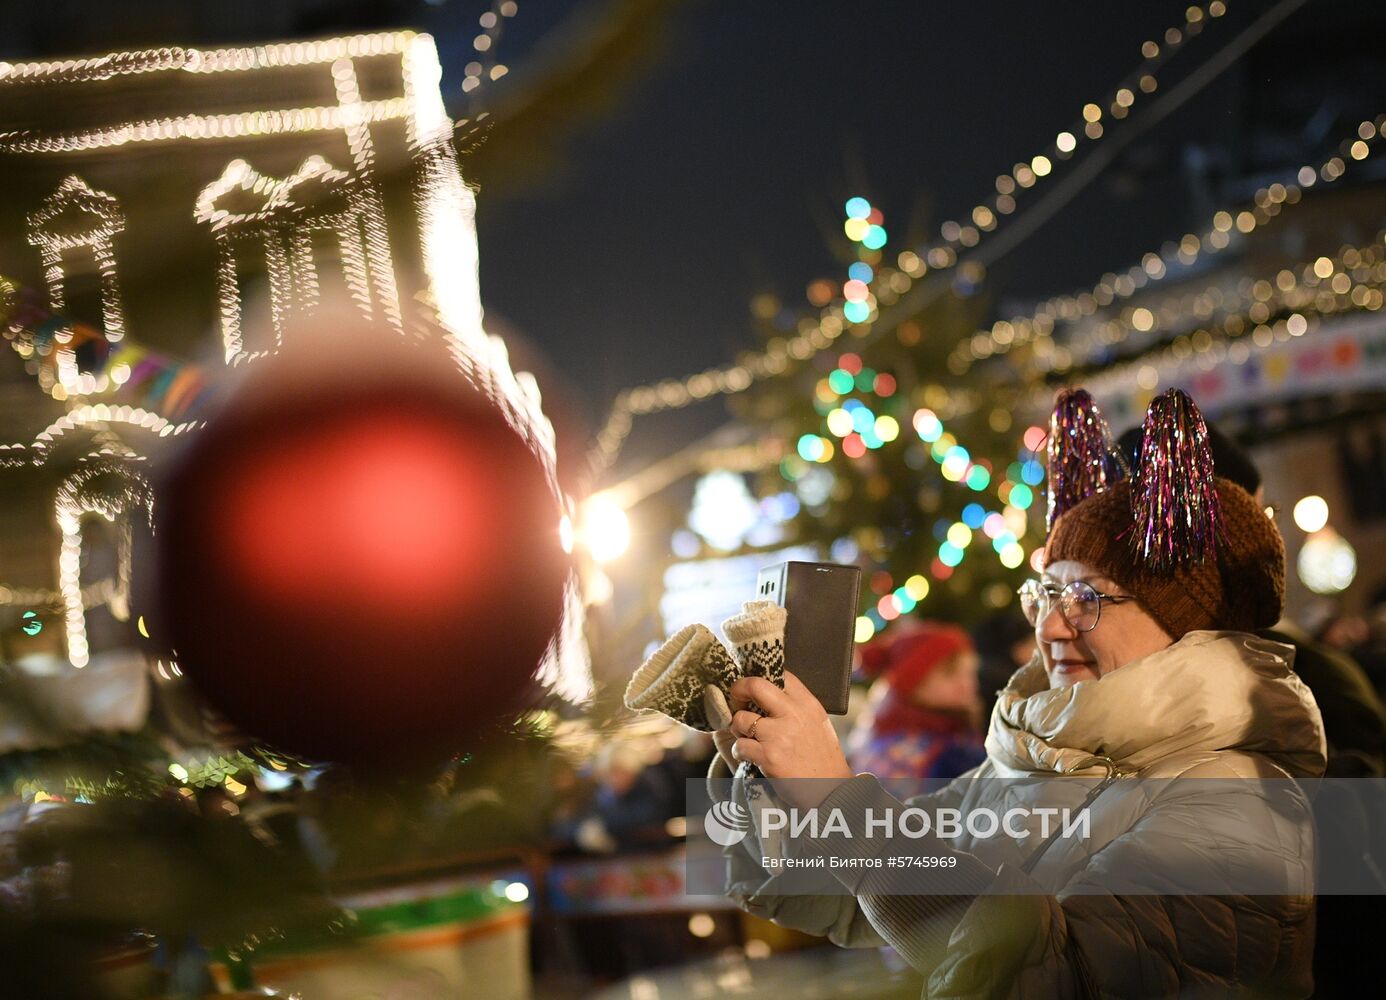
(751,733)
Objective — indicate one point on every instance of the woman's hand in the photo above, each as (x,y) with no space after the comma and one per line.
(793,743)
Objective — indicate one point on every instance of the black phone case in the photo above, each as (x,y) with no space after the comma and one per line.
(821,599)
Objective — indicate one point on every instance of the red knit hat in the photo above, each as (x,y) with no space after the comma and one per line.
(906,660)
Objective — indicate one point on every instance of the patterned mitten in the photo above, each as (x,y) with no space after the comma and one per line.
(676,679)
(758,635)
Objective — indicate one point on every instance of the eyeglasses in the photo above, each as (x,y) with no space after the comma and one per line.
(1079,602)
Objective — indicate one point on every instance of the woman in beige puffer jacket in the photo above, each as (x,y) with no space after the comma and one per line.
(1214,705)
(1196,879)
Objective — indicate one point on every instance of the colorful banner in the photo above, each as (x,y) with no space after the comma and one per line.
(1337,356)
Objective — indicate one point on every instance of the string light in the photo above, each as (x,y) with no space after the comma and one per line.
(281,225)
(1353,279)
(1310,288)
(93,595)
(859,428)
(1156,266)
(1026,174)
(485,67)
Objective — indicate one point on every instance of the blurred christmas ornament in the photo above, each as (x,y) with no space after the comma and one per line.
(359,558)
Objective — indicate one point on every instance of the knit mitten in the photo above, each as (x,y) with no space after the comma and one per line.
(758,635)
(677,678)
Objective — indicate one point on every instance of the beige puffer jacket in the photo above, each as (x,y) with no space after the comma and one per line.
(1213,705)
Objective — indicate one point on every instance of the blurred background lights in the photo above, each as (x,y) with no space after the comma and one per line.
(856,312)
(816,484)
(603,528)
(723,508)
(685,544)
(1327,563)
(1311,513)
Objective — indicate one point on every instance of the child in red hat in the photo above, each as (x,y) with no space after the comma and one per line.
(921,716)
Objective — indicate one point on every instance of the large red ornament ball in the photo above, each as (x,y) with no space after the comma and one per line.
(360,565)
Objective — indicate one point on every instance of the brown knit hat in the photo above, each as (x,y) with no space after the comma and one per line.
(1243,589)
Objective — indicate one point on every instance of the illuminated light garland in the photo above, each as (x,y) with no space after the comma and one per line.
(197,127)
(1005,335)
(1231,340)
(374,262)
(1209,349)
(984,217)
(816,335)
(865,227)
(110,65)
(75,501)
(101,413)
(857,427)
(484,66)
(1306,290)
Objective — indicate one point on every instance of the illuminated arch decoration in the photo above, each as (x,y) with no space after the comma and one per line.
(278,218)
(84,495)
(101,414)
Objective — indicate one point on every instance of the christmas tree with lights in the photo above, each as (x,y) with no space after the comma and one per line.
(898,465)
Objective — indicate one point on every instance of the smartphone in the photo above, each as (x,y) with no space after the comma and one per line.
(821,599)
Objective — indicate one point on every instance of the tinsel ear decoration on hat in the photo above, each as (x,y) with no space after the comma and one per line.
(1082,459)
(1174,502)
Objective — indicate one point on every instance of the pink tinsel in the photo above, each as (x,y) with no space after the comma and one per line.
(1173,500)
(1082,460)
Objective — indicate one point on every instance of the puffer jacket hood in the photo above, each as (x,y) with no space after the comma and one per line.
(1208,692)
